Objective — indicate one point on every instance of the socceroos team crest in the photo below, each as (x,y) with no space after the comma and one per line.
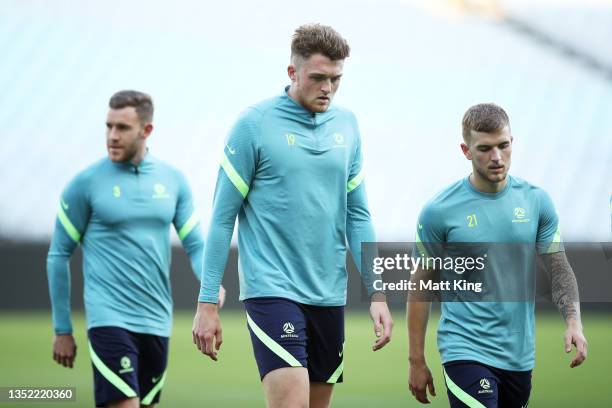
(159,191)
(520,215)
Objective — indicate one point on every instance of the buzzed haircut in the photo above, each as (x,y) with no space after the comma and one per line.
(484,117)
(140,101)
(310,39)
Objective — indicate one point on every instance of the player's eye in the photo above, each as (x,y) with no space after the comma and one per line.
(320,78)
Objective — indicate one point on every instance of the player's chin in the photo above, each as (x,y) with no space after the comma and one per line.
(497,177)
(115,156)
(320,106)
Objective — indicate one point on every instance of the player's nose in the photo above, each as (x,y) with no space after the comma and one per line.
(326,86)
(112,134)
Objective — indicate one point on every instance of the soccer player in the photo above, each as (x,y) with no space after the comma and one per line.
(120,210)
(292,172)
(488,348)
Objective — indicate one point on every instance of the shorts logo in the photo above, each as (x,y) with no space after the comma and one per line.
(160,191)
(486,387)
(519,215)
(126,365)
(288,329)
(116,192)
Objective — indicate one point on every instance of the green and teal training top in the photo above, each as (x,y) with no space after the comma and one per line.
(295,180)
(496,333)
(120,214)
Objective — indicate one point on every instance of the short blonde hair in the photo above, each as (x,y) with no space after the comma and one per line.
(484,117)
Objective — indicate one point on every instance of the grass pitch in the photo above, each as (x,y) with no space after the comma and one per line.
(371,379)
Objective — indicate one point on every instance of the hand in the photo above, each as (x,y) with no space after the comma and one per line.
(383,323)
(419,380)
(206,328)
(574,335)
(221,296)
(64,349)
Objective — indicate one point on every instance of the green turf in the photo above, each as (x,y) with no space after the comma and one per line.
(372,379)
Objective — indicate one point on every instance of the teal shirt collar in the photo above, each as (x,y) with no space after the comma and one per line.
(489,196)
(145,164)
(303,115)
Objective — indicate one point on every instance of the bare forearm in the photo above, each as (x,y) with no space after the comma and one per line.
(417,309)
(564,286)
(417,317)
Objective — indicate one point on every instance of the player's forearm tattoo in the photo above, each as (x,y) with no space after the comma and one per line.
(563,285)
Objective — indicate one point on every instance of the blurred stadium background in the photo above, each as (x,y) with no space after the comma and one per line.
(416,66)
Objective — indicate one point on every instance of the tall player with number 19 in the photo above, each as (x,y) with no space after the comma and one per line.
(292,172)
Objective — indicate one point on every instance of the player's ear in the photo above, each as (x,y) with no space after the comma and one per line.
(148,128)
(466,151)
(291,72)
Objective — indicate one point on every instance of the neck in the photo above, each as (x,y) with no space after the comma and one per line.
(138,157)
(293,95)
(485,186)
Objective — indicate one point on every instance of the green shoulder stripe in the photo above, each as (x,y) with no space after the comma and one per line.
(70,229)
(189,225)
(234,177)
(355,182)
